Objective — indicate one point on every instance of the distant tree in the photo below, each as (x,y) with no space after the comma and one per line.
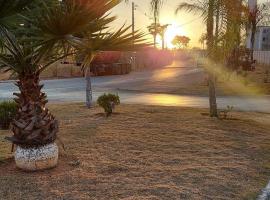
(202,40)
(181,41)
(265,20)
(155,6)
(259,15)
(154,31)
(162,31)
(158,29)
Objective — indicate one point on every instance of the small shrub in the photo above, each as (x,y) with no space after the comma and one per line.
(108,102)
(8,111)
(224,114)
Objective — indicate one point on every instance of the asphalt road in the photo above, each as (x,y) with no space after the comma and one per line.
(73,90)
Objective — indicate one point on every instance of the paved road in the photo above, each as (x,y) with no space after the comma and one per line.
(73,90)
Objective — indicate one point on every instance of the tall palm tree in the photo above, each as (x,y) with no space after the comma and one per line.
(210,48)
(202,39)
(156,5)
(206,8)
(155,30)
(232,34)
(162,31)
(66,28)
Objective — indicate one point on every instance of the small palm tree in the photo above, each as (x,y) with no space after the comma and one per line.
(55,32)
(89,46)
(207,10)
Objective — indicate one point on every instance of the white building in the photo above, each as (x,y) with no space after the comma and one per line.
(262,39)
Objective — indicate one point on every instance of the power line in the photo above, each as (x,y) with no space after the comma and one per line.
(143,13)
(189,22)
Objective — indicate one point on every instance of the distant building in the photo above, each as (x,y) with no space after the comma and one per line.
(262,39)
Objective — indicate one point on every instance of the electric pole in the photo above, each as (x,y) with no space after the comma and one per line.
(133,35)
(133,19)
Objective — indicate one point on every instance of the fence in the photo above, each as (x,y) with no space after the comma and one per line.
(262,57)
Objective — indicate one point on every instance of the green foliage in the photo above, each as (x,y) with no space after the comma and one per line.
(8,111)
(108,102)
(181,41)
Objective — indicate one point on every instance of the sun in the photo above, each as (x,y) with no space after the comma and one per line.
(170,33)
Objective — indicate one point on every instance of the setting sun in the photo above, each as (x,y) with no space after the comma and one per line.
(171,32)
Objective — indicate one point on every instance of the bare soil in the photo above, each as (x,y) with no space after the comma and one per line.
(147,152)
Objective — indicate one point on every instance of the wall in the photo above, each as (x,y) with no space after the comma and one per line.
(262,57)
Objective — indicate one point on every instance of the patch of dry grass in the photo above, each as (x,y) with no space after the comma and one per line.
(148,152)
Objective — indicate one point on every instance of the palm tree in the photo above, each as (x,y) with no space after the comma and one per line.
(207,10)
(202,39)
(162,31)
(156,5)
(88,47)
(154,30)
(210,48)
(59,30)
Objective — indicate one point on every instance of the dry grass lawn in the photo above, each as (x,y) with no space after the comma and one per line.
(146,152)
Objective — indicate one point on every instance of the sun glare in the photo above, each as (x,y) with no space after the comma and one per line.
(171,32)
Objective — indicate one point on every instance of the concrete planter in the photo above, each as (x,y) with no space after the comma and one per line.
(37,158)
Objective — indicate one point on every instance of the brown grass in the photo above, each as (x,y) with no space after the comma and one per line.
(148,152)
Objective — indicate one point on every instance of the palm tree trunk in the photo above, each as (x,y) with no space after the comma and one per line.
(155,40)
(217,22)
(212,95)
(89,92)
(155,35)
(163,41)
(33,125)
(252,38)
(210,48)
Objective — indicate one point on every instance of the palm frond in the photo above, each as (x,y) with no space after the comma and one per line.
(9,8)
(189,7)
(121,40)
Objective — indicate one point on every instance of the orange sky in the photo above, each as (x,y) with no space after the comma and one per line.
(190,25)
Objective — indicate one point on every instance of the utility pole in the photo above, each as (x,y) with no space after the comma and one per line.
(133,34)
(133,19)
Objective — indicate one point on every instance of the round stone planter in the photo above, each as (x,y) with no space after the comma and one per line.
(37,158)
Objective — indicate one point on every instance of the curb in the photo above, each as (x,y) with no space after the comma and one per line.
(265,194)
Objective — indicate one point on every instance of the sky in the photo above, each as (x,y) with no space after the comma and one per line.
(183,23)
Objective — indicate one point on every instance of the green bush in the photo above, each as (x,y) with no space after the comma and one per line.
(8,111)
(108,102)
